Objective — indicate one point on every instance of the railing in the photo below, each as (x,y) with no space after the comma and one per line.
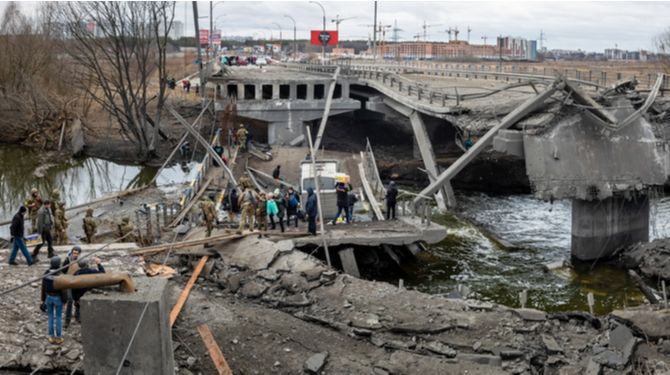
(162,211)
(199,178)
(372,173)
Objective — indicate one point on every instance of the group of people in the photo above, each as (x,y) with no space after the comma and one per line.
(345,202)
(53,299)
(47,218)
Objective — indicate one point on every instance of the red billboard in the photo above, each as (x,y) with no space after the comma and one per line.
(204,36)
(320,37)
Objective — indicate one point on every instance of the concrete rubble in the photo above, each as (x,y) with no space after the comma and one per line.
(293,315)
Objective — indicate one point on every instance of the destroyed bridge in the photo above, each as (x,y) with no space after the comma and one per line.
(604,147)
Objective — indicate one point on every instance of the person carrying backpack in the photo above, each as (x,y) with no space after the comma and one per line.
(247,201)
(293,203)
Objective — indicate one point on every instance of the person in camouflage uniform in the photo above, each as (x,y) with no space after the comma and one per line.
(34,203)
(262,214)
(245,182)
(90,226)
(209,213)
(242,137)
(61,225)
(125,229)
(55,201)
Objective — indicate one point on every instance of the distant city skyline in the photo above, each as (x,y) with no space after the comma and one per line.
(586,26)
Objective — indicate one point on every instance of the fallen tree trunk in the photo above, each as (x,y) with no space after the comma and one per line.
(643,287)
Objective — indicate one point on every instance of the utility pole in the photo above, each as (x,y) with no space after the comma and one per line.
(374,37)
(197,37)
(500,47)
(469,30)
(542,38)
(337,21)
(211,29)
(323,43)
(295,45)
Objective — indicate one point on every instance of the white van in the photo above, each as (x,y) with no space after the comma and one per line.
(326,170)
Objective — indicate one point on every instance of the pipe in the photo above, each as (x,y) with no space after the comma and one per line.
(95,280)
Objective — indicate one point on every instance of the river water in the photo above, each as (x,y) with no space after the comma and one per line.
(466,256)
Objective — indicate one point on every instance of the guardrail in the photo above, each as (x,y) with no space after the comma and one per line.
(199,178)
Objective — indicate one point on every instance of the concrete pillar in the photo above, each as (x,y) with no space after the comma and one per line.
(240,91)
(282,133)
(601,227)
(275,91)
(349,264)
(108,323)
(310,91)
(345,90)
(259,91)
(293,91)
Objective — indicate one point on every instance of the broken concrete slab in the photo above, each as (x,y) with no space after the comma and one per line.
(571,370)
(551,344)
(619,337)
(531,314)
(506,352)
(491,360)
(316,363)
(440,348)
(234,283)
(364,320)
(610,359)
(654,324)
(249,253)
(253,289)
(419,328)
(593,368)
(296,300)
(284,246)
(314,273)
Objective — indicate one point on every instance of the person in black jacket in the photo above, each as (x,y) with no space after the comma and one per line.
(85,270)
(391,195)
(342,201)
(17,232)
(231,206)
(351,201)
(311,211)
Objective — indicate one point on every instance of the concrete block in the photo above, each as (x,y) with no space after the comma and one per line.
(349,262)
(108,323)
(509,142)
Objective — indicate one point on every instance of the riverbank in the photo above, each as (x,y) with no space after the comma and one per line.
(273,309)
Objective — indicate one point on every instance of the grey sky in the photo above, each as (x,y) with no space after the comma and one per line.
(590,26)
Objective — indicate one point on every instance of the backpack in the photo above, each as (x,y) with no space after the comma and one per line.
(293,201)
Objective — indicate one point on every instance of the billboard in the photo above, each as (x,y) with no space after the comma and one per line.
(216,36)
(204,36)
(320,37)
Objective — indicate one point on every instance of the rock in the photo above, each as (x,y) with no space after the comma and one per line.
(295,300)
(403,345)
(551,344)
(253,289)
(476,346)
(506,352)
(376,341)
(30,328)
(249,253)
(268,275)
(454,295)
(207,269)
(184,371)
(440,348)
(234,283)
(314,273)
(571,370)
(191,361)
(277,364)
(362,332)
(316,363)
(654,324)
(73,354)
(294,283)
(619,337)
(367,321)
(378,371)
(48,352)
(420,328)
(593,368)
(284,246)
(329,275)
(531,315)
(478,305)
(556,361)
(490,360)
(610,359)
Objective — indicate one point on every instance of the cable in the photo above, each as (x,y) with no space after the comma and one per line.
(137,327)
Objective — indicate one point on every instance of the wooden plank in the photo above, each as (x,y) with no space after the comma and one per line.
(370,193)
(187,289)
(190,204)
(214,350)
(91,247)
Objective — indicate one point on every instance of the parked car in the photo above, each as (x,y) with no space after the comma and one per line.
(261,61)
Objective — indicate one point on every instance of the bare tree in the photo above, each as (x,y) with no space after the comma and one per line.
(117,49)
(662,44)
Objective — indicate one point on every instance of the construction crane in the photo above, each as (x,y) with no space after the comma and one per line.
(455,31)
(469,30)
(381,30)
(337,21)
(426,26)
(448,31)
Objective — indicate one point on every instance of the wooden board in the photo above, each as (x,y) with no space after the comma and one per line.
(370,193)
(187,289)
(214,350)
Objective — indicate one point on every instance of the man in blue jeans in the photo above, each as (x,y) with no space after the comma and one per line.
(17,231)
(54,300)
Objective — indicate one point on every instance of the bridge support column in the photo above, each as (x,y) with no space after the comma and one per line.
(421,135)
(282,133)
(601,227)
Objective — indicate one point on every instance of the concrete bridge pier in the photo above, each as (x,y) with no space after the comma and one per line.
(599,227)
(283,132)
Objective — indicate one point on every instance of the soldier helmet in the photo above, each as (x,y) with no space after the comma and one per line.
(55,192)
(241,126)
(89,211)
(33,191)
(245,174)
(212,195)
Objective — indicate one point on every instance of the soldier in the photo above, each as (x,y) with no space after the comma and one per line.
(209,213)
(61,225)
(245,182)
(126,229)
(90,226)
(262,214)
(247,201)
(55,201)
(34,203)
(242,137)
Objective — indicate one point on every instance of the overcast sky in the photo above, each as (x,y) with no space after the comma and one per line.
(589,26)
